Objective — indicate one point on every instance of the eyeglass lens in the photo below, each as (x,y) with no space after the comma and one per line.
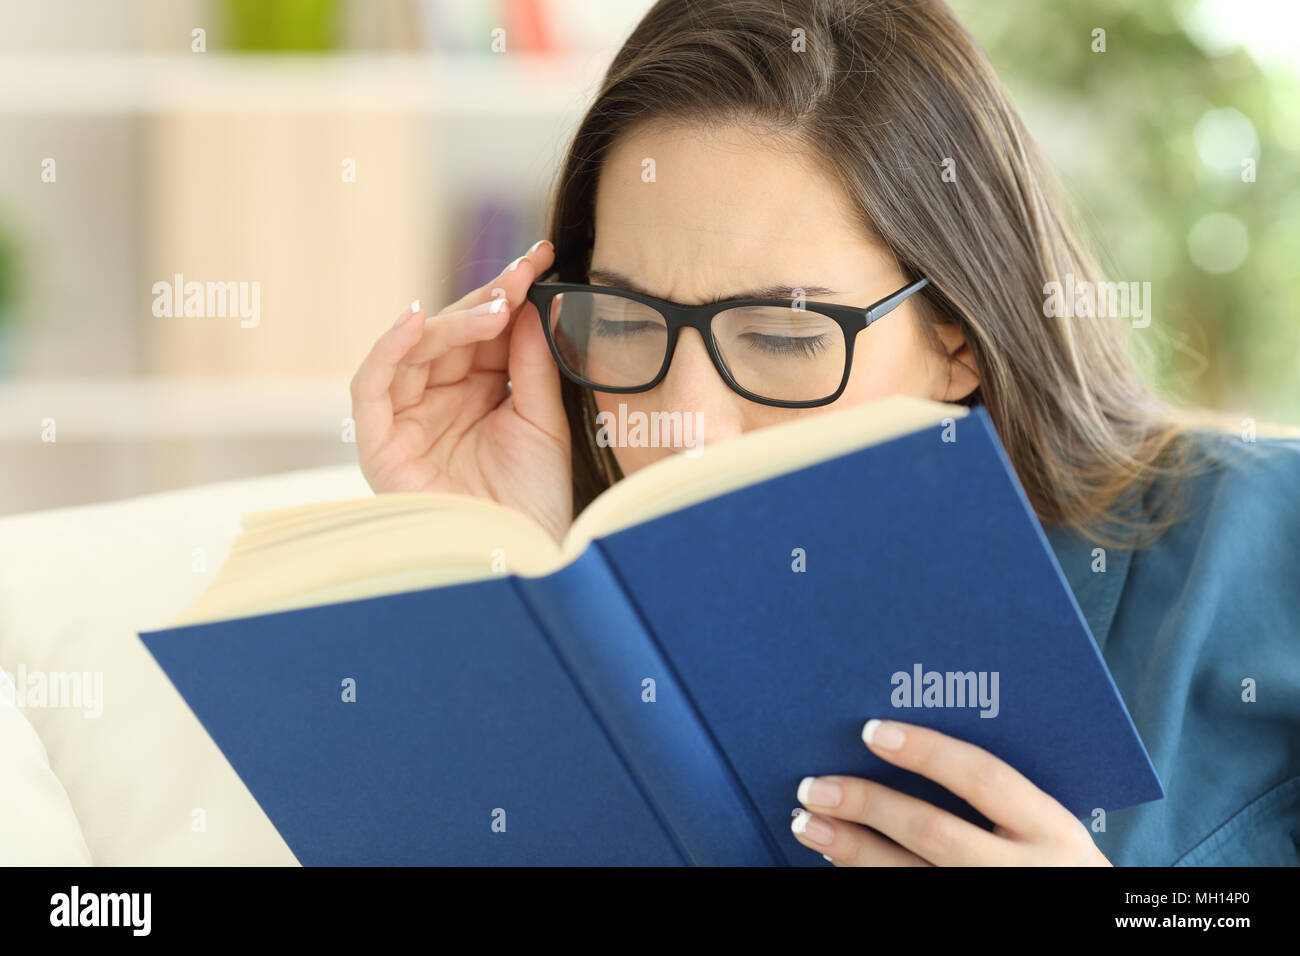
(775,352)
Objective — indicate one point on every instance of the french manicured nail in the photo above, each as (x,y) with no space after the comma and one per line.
(814,791)
(515,265)
(827,858)
(411,309)
(538,244)
(491,306)
(882,735)
(819,831)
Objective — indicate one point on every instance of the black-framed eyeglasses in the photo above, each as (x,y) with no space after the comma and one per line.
(782,352)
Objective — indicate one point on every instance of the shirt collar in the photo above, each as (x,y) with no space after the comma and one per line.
(1095,574)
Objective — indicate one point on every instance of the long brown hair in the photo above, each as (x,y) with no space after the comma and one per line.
(889,94)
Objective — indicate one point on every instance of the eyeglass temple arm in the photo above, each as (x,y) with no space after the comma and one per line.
(885,305)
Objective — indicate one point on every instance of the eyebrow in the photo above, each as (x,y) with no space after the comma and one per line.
(618,280)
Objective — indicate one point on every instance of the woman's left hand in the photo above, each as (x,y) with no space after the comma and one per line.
(1031,829)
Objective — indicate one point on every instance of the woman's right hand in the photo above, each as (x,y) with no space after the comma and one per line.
(434,413)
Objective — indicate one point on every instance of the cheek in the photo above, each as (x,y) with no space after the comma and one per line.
(629,459)
(637,401)
(891,358)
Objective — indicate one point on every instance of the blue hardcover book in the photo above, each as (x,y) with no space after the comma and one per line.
(716,627)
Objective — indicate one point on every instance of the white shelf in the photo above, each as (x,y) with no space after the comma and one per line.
(114,409)
(446,85)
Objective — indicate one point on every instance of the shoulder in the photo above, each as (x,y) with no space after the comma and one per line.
(1231,467)
(1203,649)
(1233,508)
(1235,502)
(1234,536)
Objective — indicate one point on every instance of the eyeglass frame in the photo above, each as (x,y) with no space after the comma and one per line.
(852,319)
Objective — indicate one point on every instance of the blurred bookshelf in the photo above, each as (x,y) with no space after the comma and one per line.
(439,85)
(344,157)
(211,139)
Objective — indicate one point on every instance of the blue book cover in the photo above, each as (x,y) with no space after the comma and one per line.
(657,700)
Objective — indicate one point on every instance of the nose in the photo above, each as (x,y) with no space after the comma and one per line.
(693,385)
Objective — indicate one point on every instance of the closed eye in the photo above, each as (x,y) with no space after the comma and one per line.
(786,344)
(605,327)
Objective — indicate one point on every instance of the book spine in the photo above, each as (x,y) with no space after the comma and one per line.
(647,715)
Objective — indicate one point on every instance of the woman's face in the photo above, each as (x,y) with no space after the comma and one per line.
(723,214)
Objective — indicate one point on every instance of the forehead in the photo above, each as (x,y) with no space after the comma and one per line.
(687,211)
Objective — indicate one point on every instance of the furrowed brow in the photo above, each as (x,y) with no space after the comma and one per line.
(619,281)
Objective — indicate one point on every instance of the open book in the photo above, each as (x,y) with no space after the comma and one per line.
(341,550)
(433,679)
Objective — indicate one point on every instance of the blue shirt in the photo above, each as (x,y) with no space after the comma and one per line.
(1192,627)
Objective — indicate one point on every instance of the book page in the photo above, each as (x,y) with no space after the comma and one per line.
(325,552)
(363,547)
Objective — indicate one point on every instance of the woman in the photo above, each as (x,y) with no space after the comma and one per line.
(837,152)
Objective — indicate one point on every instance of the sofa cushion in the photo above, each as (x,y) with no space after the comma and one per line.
(145,781)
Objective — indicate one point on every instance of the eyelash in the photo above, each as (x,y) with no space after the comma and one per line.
(772,344)
(807,346)
(604,327)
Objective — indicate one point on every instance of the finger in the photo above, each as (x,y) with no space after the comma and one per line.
(401,356)
(511,285)
(478,324)
(935,835)
(372,411)
(448,330)
(991,786)
(495,355)
(848,844)
(514,278)
(434,359)
(535,378)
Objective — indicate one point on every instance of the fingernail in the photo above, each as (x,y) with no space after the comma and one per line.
(538,244)
(492,306)
(819,831)
(882,735)
(827,858)
(814,791)
(515,265)
(411,309)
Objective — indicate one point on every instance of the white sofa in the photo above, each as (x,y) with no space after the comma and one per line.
(141,783)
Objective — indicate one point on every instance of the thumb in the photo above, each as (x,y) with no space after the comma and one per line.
(534,376)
